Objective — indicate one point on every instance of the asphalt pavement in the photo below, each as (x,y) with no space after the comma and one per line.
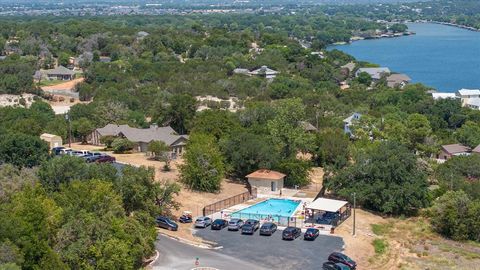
(239,251)
(175,255)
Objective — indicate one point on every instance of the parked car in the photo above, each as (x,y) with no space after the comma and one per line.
(80,153)
(250,226)
(268,228)
(203,222)
(93,157)
(235,224)
(64,151)
(186,217)
(338,257)
(166,223)
(311,234)
(291,233)
(219,224)
(105,159)
(334,266)
(56,150)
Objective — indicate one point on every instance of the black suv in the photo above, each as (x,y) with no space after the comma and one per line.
(311,234)
(166,223)
(268,228)
(219,224)
(250,226)
(291,233)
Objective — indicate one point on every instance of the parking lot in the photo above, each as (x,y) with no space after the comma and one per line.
(272,252)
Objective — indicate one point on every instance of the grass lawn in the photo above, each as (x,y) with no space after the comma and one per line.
(50,82)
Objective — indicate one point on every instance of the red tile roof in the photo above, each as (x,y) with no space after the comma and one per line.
(266,174)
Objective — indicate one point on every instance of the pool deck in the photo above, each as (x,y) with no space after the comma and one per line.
(298,213)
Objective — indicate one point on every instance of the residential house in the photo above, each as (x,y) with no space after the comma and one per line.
(265,72)
(52,140)
(266,180)
(350,67)
(468,96)
(60,73)
(375,73)
(142,137)
(349,122)
(398,80)
(451,150)
(242,71)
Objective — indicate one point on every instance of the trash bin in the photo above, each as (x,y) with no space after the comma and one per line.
(332,230)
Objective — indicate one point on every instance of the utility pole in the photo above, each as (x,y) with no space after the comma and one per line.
(67,117)
(354,206)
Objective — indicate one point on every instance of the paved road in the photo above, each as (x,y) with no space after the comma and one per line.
(271,251)
(247,251)
(175,255)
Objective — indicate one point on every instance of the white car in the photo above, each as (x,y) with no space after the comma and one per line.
(203,222)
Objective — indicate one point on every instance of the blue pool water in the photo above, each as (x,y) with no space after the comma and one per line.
(270,207)
(444,57)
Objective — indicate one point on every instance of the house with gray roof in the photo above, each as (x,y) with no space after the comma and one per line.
(60,73)
(375,73)
(349,122)
(142,136)
(264,71)
(469,97)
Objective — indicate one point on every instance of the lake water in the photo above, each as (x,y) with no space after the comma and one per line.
(444,57)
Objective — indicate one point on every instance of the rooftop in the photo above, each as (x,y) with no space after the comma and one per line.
(266,174)
(456,148)
(329,205)
(376,73)
(60,70)
(154,133)
(264,70)
(468,92)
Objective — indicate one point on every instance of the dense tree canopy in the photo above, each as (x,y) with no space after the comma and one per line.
(386,179)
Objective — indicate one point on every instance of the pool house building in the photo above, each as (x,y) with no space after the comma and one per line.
(266,180)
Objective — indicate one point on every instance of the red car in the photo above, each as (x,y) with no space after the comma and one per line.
(105,159)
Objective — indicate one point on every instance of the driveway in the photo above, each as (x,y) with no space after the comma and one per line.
(271,251)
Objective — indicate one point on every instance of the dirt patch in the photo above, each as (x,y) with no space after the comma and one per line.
(68,85)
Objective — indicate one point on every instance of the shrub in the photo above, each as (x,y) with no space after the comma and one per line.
(120,145)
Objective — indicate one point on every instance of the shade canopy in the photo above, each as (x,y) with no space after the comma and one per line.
(329,205)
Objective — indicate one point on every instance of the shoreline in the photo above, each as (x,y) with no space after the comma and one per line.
(470,28)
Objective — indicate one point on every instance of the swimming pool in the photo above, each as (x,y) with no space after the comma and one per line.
(269,208)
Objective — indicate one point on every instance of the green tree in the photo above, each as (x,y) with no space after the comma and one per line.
(178,112)
(364,78)
(297,171)
(108,141)
(418,128)
(82,128)
(218,123)
(386,179)
(22,150)
(161,152)
(204,168)
(121,145)
(456,216)
(58,171)
(469,134)
(331,148)
(246,152)
(286,130)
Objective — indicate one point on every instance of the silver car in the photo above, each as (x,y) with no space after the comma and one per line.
(203,222)
(235,224)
